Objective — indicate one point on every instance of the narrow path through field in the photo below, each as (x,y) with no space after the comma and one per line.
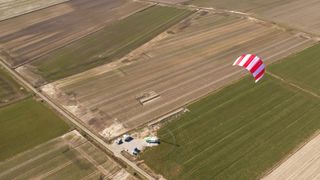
(56,169)
(294,85)
(29,161)
(91,175)
(91,160)
(231,134)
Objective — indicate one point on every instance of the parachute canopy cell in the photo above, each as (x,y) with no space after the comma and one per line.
(253,64)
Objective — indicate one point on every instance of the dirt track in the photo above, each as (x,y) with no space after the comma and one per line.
(27,37)
(168,1)
(304,164)
(194,59)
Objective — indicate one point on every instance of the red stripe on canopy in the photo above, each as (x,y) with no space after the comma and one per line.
(256,66)
(258,76)
(249,60)
(240,59)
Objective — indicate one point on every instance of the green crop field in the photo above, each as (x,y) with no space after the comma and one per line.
(26,124)
(238,133)
(109,43)
(302,69)
(9,89)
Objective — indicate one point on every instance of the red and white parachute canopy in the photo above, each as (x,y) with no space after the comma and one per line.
(253,64)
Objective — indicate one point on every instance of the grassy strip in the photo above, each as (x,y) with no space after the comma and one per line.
(26,124)
(109,43)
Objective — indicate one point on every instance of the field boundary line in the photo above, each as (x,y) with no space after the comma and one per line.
(294,85)
(31,149)
(236,131)
(90,175)
(53,171)
(23,97)
(150,32)
(30,161)
(178,73)
(288,156)
(91,160)
(279,132)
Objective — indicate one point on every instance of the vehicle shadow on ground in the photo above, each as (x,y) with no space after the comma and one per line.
(171,143)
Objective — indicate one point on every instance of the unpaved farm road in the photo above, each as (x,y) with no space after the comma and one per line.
(115,152)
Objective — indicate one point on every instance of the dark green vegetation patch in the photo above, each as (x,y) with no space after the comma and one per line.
(237,133)
(9,89)
(109,43)
(26,124)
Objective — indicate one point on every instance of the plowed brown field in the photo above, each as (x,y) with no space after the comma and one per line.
(13,8)
(193,59)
